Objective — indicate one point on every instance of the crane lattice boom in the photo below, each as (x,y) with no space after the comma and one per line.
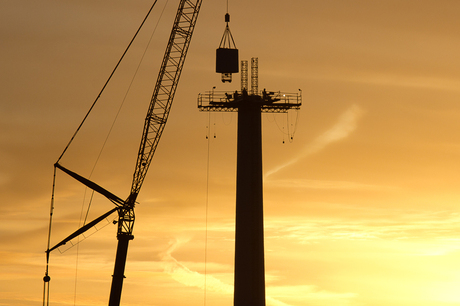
(157,115)
(165,88)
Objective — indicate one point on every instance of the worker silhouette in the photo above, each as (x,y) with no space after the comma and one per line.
(267,96)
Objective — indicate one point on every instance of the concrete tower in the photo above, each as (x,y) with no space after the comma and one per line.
(249,283)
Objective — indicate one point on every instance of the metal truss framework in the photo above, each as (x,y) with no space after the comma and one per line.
(244,75)
(271,102)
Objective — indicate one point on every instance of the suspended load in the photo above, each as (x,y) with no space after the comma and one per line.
(227,54)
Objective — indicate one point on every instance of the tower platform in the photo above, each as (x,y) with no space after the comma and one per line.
(269,101)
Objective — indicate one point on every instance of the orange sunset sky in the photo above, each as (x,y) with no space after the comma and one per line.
(361,207)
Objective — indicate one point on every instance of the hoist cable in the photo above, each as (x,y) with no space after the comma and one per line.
(291,134)
(207,209)
(108,80)
(288,123)
(76,276)
(46,279)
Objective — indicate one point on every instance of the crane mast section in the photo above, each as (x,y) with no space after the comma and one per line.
(165,89)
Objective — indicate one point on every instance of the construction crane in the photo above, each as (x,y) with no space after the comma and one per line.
(157,115)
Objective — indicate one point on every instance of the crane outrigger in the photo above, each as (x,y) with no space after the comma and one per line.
(155,120)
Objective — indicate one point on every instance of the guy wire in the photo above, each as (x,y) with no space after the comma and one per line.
(122,103)
(108,80)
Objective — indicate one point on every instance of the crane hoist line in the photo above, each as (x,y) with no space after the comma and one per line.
(155,121)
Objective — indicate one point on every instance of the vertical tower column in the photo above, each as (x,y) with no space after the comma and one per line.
(254,76)
(249,232)
(244,75)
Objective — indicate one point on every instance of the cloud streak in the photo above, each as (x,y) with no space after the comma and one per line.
(330,184)
(344,126)
(187,277)
(420,234)
(184,275)
(314,295)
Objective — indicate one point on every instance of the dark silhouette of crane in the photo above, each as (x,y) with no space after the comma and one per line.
(157,115)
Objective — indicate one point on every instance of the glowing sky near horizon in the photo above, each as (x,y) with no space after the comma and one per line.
(361,207)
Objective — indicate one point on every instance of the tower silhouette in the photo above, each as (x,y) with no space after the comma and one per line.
(249,285)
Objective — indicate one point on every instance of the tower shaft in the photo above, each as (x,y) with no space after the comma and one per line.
(249,285)
(249,231)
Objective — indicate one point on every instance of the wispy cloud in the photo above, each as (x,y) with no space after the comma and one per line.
(344,126)
(184,275)
(317,184)
(423,234)
(313,294)
(187,277)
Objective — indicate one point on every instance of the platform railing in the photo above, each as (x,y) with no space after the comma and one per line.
(271,101)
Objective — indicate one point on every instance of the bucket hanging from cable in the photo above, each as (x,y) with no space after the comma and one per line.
(227,54)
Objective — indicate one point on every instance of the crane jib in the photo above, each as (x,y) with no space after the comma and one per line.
(83,229)
(92,185)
